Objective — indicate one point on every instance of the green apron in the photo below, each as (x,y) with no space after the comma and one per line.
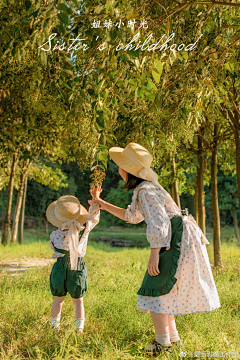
(163,283)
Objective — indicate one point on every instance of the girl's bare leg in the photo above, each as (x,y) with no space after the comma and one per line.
(79,314)
(160,322)
(57,306)
(79,308)
(162,337)
(171,323)
(173,329)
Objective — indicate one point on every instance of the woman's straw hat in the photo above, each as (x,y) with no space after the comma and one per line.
(66,208)
(133,158)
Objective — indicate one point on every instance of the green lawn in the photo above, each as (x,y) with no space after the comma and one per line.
(114,329)
(36,242)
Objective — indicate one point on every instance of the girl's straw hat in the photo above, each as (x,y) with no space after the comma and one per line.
(134,159)
(66,208)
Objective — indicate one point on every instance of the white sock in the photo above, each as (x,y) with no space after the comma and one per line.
(55,322)
(80,324)
(174,337)
(163,339)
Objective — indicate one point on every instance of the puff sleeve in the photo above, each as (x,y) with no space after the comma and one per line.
(151,205)
(133,215)
(52,240)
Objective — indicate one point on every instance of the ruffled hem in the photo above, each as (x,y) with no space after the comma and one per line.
(165,289)
(178,313)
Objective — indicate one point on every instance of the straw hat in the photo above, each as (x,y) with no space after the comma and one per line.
(134,159)
(66,208)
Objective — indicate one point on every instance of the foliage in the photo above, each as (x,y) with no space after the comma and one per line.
(40,196)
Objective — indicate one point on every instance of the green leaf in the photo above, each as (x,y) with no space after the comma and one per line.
(94,131)
(100,122)
(76,4)
(153,85)
(27,4)
(149,85)
(44,58)
(140,92)
(67,71)
(159,67)
(114,101)
(229,67)
(134,53)
(61,28)
(184,54)
(63,18)
(65,8)
(133,84)
(98,9)
(156,76)
(113,34)
(150,95)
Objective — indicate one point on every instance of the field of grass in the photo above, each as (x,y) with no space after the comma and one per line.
(114,329)
(36,242)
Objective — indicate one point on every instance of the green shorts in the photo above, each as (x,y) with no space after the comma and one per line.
(64,280)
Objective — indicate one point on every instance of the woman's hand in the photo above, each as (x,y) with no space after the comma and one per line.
(154,262)
(101,203)
(96,191)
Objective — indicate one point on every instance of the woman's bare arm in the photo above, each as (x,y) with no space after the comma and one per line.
(114,210)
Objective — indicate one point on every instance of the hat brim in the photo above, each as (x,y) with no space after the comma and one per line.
(58,223)
(117,155)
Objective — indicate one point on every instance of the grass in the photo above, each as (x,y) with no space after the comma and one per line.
(114,329)
(36,242)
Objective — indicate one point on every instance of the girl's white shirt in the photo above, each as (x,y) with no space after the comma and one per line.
(157,208)
(59,238)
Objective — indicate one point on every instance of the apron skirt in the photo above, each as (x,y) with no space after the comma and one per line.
(163,283)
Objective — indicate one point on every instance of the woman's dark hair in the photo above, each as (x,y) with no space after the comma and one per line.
(132,182)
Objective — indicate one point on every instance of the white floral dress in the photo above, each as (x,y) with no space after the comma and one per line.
(195,290)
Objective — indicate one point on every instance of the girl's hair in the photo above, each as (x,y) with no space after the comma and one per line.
(132,182)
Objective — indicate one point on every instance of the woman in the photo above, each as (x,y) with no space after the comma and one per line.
(179,279)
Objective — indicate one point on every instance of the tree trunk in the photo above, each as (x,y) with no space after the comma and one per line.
(201,205)
(215,207)
(14,216)
(237,142)
(22,216)
(196,200)
(233,117)
(18,207)
(235,222)
(6,226)
(46,224)
(174,189)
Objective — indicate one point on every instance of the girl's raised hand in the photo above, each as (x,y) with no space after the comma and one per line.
(95,191)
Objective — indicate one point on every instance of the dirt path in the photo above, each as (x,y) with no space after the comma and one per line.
(16,267)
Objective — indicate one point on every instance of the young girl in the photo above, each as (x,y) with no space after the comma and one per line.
(69,273)
(179,279)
